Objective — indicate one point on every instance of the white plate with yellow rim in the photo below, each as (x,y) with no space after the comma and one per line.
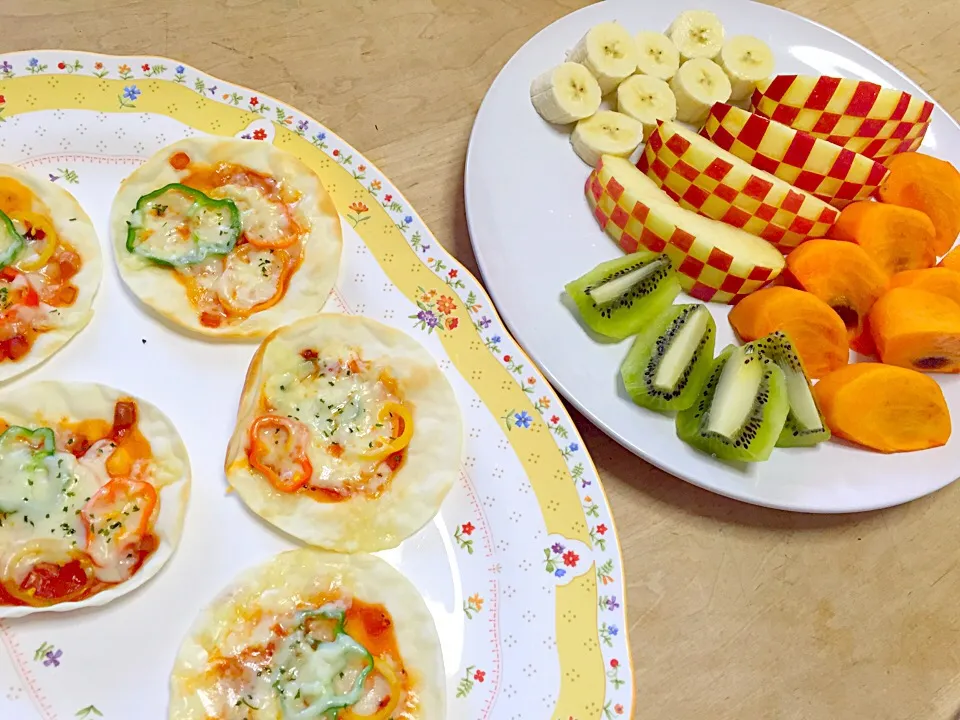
(521,569)
(533,232)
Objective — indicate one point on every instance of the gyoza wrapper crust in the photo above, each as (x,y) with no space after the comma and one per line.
(74,227)
(414,493)
(158,288)
(277,586)
(45,403)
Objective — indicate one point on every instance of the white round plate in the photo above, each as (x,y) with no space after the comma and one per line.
(533,232)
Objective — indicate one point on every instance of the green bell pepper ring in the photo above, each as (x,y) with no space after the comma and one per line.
(41,440)
(330,612)
(11,242)
(26,479)
(307,670)
(179,225)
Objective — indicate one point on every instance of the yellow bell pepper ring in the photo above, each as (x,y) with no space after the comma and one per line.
(386,712)
(399,415)
(36,224)
(14,196)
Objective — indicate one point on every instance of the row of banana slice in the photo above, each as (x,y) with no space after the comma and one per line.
(677,75)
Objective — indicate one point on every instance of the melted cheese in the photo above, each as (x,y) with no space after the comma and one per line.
(250,278)
(340,408)
(205,273)
(211,226)
(315,678)
(263,221)
(49,507)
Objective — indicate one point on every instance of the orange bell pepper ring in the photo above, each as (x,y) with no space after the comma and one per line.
(119,512)
(278,451)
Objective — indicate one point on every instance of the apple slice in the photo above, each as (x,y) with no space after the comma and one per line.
(858,115)
(875,149)
(706,178)
(834,174)
(714,261)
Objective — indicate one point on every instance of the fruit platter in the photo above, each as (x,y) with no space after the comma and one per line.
(742,226)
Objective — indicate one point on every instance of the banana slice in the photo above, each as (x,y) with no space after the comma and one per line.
(606,133)
(565,94)
(647,99)
(608,51)
(697,34)
(657,56)
(746,60)
(698,84)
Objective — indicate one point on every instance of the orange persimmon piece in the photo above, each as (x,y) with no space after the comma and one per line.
(816,331)
(917,329)
(951,260)
(886,408)
(842,275)
(930,185)
(896,238)
(938,280)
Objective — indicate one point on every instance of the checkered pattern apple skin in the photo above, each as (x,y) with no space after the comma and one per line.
(834,174)
(705,272)
(720,190)
(857,115)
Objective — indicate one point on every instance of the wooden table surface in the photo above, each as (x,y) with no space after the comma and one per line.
(735,611)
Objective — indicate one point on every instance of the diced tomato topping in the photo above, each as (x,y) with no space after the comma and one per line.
(124,418)
(15,347)
(8,273)
(51,582)
(395,461)
(79,446)
(211,319)
(66,295)
(51,271)
(179,160)
(309,354)
(69,264)
(30,297)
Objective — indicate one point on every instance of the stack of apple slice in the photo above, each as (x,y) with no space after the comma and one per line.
(779,175)
(704,177)
(858,115)
(832,173)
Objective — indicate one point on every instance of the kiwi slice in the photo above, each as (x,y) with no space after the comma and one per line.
(620,296)
(670,359)
(804,425)
(741,409)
